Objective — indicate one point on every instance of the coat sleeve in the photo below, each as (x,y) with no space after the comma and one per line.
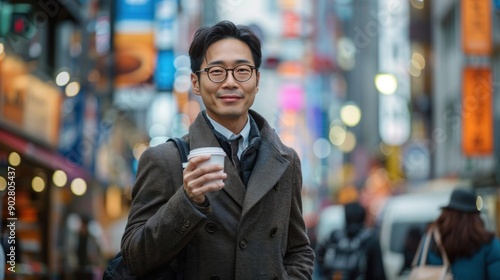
(162,219)
(299,257)
(493,260)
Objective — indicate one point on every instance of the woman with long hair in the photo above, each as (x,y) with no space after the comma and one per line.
(473,251)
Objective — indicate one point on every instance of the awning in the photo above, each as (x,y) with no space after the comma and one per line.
(37,153)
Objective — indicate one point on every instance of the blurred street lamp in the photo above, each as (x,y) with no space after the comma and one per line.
(62,78)
(386,83)
(59,178)
(350,114)
(14,159)
(337,134)
(38,184)
(78,186)
(72,89)
(350,142)
(3,183)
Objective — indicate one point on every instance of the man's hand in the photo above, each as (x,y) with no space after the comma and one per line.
(199,178)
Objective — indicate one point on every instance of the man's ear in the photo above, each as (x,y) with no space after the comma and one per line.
(195,84)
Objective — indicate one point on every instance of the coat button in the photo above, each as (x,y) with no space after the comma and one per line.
(187,223)
(274,231)
(214,277)
(211,227)
(243,244)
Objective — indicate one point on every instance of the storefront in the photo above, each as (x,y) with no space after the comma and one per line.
(36,190)
(39,184)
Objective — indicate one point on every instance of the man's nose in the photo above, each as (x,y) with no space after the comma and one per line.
(230,77)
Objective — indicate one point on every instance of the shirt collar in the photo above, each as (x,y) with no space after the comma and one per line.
(245,132)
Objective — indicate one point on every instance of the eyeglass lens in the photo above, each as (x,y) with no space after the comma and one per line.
(240,73)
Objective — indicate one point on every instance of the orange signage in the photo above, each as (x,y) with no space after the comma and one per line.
(476,27)
(477,112)
(135,58)
(28,103)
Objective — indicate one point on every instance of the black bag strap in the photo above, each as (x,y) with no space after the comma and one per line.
(116,269)
(183,147)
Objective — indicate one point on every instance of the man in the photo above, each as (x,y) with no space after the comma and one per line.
(250,226)
(368,255)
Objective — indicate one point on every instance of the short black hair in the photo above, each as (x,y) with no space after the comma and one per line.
(204,37)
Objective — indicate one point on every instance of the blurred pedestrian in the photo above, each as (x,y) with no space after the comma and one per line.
(85,258)
(248,226)
(410,248)
(473,251)
(331,257)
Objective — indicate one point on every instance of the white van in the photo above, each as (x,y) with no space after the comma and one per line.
(402,215)
(406,213)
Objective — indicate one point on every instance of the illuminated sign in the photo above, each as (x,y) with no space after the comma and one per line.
(477,114)
(393,56)
(476,27)
(28,103)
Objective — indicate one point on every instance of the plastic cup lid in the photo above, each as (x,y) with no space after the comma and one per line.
(207,150)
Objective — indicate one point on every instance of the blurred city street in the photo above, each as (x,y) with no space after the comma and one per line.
(389,102)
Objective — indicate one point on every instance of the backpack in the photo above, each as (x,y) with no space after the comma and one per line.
(345,257)
(118,270)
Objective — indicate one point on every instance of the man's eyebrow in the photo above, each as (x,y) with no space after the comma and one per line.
(220,62)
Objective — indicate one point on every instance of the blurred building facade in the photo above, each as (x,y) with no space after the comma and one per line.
(457,53)
(50,112)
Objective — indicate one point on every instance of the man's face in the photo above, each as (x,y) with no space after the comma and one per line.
(227,102)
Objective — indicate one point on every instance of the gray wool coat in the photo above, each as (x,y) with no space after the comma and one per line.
(257,232)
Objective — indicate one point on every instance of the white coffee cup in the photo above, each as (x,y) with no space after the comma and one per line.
(216,156)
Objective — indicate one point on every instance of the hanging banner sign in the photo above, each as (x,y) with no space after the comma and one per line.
(394,51)
(476,27)
(477,113)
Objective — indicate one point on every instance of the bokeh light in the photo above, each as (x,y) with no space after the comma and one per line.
(386,83)
(59,178)
(78,187)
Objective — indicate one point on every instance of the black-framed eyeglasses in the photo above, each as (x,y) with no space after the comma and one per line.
(218,74)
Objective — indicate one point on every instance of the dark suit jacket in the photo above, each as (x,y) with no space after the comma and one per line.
(257,232)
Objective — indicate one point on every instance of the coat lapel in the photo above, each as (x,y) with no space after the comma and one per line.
(200,135)
(268,169)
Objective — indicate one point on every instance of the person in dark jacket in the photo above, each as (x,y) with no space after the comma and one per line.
(473,251)
(355,215)
(240,220)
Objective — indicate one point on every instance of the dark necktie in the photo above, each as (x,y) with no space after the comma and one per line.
(234,150)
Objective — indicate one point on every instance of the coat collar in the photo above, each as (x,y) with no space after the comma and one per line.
(270,165)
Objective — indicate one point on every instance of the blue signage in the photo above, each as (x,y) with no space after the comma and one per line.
(135,10)
(165,71)
(71,136)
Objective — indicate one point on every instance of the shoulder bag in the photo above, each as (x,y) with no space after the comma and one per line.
(118,270)
(423,271)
